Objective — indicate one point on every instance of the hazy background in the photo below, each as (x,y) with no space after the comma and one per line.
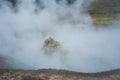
(26,24)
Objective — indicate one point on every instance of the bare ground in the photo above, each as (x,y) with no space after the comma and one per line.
(50,74)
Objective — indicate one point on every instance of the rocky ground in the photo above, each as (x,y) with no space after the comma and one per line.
(49,74)
(103,12)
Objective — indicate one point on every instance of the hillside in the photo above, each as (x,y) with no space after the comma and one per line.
(104,11)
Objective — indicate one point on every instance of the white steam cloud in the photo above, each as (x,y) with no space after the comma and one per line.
(23,32)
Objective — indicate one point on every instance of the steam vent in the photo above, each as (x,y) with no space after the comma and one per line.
(59,39)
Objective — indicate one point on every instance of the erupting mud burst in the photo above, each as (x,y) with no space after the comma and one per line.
(51,45)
